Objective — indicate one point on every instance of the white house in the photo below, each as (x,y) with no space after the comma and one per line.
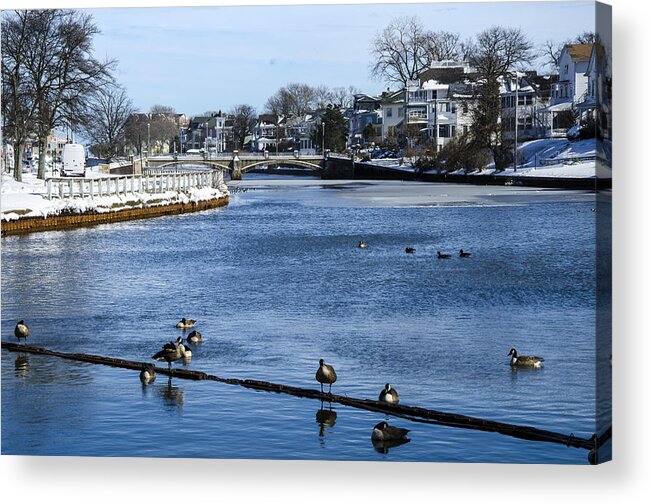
(571,88)
(392,111)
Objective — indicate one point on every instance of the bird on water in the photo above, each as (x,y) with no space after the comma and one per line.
(389,395)
(194,337)
(524,360)
(464,254)
(171,352)
(410,250)
(185,323)
(325,374)
(385,432)
(442,256)
(362,244)
(21,331)
(148,374)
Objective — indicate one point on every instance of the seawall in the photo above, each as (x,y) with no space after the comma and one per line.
(337,168)
(73,220)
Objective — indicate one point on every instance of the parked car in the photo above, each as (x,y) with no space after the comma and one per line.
(574,133)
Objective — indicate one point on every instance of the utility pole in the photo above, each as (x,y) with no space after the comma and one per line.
(515,140)
(322,136)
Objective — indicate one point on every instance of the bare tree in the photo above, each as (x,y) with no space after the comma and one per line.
(399,52)
(18,104)
(244,118)
(293,99)
(343,97)
(495,52)
(110,107)
(443,45)
(62,69)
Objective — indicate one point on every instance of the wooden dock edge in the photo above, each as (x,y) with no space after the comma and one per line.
(58,222)
(411,413)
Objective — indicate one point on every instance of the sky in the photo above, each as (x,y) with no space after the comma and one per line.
(213,58)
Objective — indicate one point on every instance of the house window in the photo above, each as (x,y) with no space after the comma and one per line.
(400,112)
(389,112)
(444,130)
(567,69)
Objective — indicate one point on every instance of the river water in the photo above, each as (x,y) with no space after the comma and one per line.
(276,282)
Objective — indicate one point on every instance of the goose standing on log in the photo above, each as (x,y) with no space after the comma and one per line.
(171,352)
(21,331)
(389,395)
(186,323)
(325,374)
(524,360)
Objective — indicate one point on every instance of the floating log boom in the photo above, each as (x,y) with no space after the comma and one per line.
(411,413)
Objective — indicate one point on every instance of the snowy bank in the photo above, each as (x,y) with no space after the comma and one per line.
(27,199)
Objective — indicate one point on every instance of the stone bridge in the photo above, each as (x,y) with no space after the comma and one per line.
(238,163)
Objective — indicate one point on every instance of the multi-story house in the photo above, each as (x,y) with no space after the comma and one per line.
(367,110)
(569,90)
(437,104)
(301,130)
(269,132)
(524,98)
(393,112)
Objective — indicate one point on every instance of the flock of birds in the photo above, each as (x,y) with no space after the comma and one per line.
(412,250)
(383,435)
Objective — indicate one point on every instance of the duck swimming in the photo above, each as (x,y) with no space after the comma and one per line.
(464,254)
(185,323)
(410,250)
(148,374)
(385,432)
(524,360)
(362,244)
(194,337)
(442,256)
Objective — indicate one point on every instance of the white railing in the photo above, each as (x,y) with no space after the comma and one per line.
(68,187)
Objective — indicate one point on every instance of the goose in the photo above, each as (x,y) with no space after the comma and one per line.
(185,323)
(148,374)
(389,395)
(21,331)
(464,254)
(171,352)
(362,244)
(194,337)
(186,351)
(383,432)
(524,360)
(410,250)
(442,256)
(325,374)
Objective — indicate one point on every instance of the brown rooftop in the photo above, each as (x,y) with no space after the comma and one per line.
(579,52)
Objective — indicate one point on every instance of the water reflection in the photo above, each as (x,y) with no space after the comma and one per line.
(325,418)
(22,366)
(384,446)
(172,395)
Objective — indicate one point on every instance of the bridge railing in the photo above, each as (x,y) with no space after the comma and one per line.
(68,187)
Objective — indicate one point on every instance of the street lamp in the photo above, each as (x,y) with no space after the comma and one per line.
(148,139)
(323,137)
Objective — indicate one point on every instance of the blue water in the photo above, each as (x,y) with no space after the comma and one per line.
(275,281)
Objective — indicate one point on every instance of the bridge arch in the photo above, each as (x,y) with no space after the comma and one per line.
(294,163)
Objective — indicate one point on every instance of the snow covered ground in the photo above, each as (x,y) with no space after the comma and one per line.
(538,158)
(27,199)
